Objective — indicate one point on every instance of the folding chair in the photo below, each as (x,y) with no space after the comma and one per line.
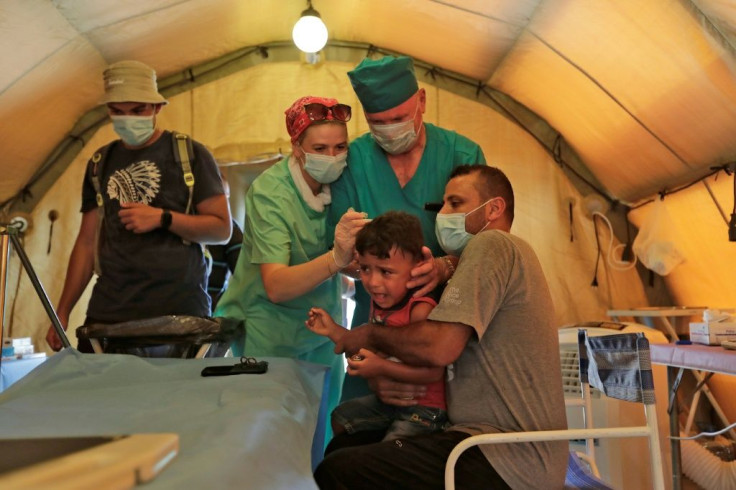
(618,366)
(177,336)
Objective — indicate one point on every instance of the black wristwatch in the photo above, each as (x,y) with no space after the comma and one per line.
(165,219)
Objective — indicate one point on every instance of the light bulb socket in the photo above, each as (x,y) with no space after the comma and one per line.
(310,12)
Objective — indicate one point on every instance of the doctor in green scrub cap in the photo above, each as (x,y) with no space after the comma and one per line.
(401,164)
(287,264)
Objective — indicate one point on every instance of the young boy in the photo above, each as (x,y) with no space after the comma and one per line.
(388,248)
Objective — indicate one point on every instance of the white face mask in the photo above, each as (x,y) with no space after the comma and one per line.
(398,137)
(133,130)
(325,169)
(450,231)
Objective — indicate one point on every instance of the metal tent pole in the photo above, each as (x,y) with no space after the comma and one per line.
(11,233)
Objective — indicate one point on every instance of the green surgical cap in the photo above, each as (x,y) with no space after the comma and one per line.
(384,84)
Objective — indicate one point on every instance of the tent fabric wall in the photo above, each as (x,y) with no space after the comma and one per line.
(243,113)
(705,278)
(630,85)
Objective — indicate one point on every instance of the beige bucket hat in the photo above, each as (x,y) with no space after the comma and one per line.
(131,81)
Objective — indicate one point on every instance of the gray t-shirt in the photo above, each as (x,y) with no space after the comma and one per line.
(149,274)
(508,377)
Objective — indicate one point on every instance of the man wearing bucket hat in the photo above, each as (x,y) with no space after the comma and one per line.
(402,164)
(142,218)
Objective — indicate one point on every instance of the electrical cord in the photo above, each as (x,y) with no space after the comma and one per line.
(705,434)
(597,254)
(616,264)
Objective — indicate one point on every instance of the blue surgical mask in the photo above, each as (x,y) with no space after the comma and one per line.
(325,169)
(450,231)
(133,130)
(396,138)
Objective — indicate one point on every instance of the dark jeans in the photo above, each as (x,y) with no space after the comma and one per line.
(359,461)
(370,413)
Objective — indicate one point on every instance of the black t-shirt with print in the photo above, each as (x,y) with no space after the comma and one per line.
(155,273)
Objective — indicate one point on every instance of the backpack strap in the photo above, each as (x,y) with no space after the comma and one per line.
(97,163)
(184,154)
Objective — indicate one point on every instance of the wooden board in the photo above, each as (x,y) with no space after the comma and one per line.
(87,462)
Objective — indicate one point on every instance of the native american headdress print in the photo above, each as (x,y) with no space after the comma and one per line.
(139,182)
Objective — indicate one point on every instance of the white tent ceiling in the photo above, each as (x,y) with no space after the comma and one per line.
(643,91)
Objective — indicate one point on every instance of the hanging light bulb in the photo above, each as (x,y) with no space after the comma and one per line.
(310,33)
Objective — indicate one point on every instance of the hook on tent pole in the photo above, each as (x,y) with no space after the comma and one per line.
(432,72)
(75,138)
(25,193)
(557,150)
(479,88)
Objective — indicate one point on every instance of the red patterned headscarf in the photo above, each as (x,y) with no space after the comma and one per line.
(297,120)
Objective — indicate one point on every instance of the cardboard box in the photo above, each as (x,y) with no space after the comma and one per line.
(712,333)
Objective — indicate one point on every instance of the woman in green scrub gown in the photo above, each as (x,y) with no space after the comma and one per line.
(286,265)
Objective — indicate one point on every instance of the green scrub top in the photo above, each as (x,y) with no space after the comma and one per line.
(279,228)
(369,184)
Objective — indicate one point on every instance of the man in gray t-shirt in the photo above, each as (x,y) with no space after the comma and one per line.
(494,329)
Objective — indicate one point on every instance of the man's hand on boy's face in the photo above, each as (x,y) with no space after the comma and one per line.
(425,275)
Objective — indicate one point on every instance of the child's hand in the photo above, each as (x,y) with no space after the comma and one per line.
(365,364)
(321,323)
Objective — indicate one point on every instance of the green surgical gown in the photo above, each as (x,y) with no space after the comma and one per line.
(280,228)
(369,184)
